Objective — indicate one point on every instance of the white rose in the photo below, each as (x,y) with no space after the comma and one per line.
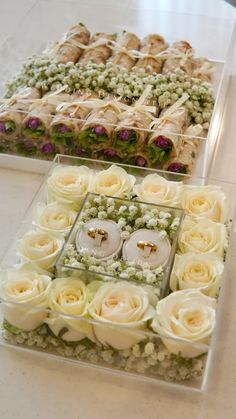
(202,236)
(157,190)
(189,316)
(207,201)
(54,218)
(23,286)
(69,296)
(114,181)
(39,248)
(197,270)
(121,304)
(68,185)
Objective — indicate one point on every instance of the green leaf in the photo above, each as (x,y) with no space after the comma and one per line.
(10,328)
(157,154)
(10,126)
(128,146)
(34,133)
(88,137)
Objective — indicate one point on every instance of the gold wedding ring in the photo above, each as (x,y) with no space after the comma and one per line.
(93,231)
(142,244)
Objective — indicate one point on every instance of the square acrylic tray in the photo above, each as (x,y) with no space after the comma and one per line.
(73,316)
(38,28)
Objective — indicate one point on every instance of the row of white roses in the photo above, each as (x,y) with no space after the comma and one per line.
(199,264)
(68,185)
(122,311)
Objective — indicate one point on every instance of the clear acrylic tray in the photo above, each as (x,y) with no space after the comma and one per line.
(105,345)
(38,28)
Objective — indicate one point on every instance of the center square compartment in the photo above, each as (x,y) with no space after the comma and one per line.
(126,219)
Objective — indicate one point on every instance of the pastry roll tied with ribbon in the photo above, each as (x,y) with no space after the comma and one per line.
(12,113)
(72,44)
(97,130)
(165,141)
(65,126)
(179,56)
(151,46)
(98,50)
(184,161)
(36,123)
(130,134)
(124,51)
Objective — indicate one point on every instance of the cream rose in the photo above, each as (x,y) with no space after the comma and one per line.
(202,236)
(157,190)
(114,181)
(69,184)
(189,316)
(54,218)
(196,270)
(207,201)
(25,298)
(125,305)
(39,248)
(69,297)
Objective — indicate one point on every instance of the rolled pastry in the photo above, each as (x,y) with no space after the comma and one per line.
(180,57)
(36,123)
(151,45)
(12,113)
(97,130)
(184,161)
(98,50)
(66,124)
(122,54)
(164,142)
(69,49)
(130,134)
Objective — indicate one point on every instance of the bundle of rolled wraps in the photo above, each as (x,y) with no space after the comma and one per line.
(98,50)
(126,45)
(164,142)
(132,129)
(180,55)
(66,124)
(12,113)
(71,45)
(36,123)
(151,46)
(183,162)
(97,131)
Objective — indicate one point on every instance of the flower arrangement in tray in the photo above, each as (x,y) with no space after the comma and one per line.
(136,284)
(110,97)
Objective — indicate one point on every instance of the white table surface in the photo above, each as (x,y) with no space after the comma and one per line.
(34,387)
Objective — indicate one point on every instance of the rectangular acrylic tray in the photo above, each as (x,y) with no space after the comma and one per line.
(38,28)
(145,358)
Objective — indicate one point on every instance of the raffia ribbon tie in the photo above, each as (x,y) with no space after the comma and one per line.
(139,105)
(170,52)
(167,116)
